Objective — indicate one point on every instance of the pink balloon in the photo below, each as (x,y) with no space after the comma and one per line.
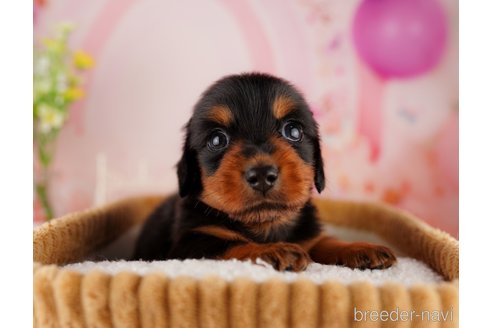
(400,38)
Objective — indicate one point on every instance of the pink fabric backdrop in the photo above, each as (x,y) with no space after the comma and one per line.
(393,141)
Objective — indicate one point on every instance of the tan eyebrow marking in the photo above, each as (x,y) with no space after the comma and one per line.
(221,114)
(282,106)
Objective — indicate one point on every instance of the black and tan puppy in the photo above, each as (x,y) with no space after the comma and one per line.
(250,160)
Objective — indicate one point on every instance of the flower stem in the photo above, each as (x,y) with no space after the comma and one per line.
(42,192)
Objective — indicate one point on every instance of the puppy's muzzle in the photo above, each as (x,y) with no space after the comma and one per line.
(261,178)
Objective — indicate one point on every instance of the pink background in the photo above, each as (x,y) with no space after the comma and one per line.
(394,141)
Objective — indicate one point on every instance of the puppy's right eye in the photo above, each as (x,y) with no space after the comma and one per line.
(218,140)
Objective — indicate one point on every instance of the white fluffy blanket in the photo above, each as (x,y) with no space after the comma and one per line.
(407,271)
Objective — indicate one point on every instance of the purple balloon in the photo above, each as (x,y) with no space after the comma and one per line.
(400,38)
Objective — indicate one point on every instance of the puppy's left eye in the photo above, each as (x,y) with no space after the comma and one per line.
(218,140)
(292,131)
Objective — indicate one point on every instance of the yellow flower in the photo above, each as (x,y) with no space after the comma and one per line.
(82,60)
(74,94)
(50,118)
(54,45)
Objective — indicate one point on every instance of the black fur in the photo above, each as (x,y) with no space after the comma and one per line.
(188,171)
(168,231)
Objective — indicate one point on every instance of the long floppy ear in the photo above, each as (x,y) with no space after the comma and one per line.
(319,173)
(188,170)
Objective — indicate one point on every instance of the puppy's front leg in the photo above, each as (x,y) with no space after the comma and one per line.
(358,255)
(282,256)
(221,243)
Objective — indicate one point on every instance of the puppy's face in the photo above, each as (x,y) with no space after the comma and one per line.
(252,149)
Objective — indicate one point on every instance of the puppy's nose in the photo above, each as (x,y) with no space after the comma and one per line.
(262,178)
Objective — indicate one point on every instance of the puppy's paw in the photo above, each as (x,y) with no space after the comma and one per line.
(366,256)
(284,256)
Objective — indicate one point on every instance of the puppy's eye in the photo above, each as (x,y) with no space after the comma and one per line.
(217,141)
(292,131)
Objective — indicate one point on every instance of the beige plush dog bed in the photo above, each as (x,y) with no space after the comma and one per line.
(71,292)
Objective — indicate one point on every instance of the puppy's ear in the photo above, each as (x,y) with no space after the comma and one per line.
(188,170)
(319,173)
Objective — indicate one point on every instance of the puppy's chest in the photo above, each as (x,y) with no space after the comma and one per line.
(270,232)
(298,228)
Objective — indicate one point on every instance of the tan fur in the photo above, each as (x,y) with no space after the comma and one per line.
(227,190)
(264,229)
(282,256)
(282,106)
(409,234)
(353,255)
(308,244)
(222,233)
(296,178)
(221,115)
